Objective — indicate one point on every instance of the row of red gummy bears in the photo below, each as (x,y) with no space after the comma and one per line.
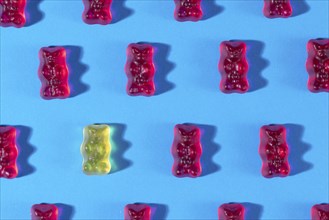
(228,211)
(140,69)
(98,11)
(186,150)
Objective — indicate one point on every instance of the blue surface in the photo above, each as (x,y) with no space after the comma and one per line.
(187,80)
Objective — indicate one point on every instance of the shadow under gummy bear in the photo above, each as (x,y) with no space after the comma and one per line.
(76,70)
(120,11)
(158,211)
(65,211)
(253,211)
(32,12)
(210,9)
(299,7)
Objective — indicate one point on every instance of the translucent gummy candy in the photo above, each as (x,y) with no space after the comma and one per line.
(274,151)
(320,212)
(53,73)
(96,149)
(8,152)
(97,12)
(137,212)
(44,212)
(317,65)
(231,211)
(186,150)
(277,8)
(12,13)
(233,67)
(188,10)
(140,70)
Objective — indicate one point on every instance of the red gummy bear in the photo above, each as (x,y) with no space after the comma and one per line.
(140,70)
(8,152)
(12,13)
(44,212)
(137,212)
(188,10)
(53,73)
(317,65)
(231,211)
(186,150)
(277,8)
(274,151)
(97,12)
(233,67)
(320,212)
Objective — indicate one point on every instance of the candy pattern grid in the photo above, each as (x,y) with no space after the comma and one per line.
(44,212)
(277,8)
(320,212)
(12,13)
(274,151)
(97,12)
(188,10)
(231,211)
(53,73)
(317,65)
(137,212)
(233,67)
(140,70)
(186,150)
(96,149)
(8,152)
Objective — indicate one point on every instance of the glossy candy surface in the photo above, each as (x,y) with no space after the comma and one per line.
(44,212)
(274,151)
(12,13)
(8,152)
(140,70)
(186,150)
(97,12)
(53,73)
(231,211)
(188,10)
(317,65)
(96,149)
(320,212)
(233,67)
(137,212)
(277,8)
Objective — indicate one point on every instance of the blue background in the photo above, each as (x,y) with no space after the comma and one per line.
(187,91)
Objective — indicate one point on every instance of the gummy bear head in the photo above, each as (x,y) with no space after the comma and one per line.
(190,4)
(141,53)
(322,50)
(136,215)
(234,52)
(188,133)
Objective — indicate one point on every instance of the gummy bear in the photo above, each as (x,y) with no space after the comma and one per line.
(96,149)
(274,151)
(12,13)
(320,212)
(97,12)
(8,152)
(231,211)
(137,212)
(277,8)
(44,212)
(186,150)
(188,10)
(233,67)
(53,73)
(140,70)
(317,65)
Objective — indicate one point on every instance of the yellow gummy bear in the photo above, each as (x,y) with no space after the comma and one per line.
(96,149)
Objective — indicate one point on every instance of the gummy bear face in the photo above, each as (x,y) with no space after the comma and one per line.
(231,211)
(277,8)
(12,13)
(274,151)
(317,65)
(235,53)
(137,212)
(44,212)
(97,12)
(8,152)
(140,70)
(320,212)
(96,149)
(188,10)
